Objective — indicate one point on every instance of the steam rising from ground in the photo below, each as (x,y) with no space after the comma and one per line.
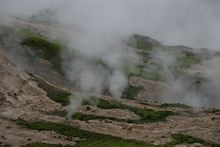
(98,30)
(75,102)
(199,90)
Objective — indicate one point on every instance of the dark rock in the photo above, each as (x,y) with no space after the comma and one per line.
(88,108)
(213,118)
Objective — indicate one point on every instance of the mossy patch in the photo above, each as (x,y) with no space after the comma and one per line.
(5,145)
(40,144)
(185,60)
(44,48)
(91,139)
(60,96)
(182,138)
(213,110)
(179,138)
(143,42)
(87,139)
(152,75)
(147,73)
(146,115)
(178,105)
(87,117)
(149,115)
(104,104)
(49,49)
(131,92)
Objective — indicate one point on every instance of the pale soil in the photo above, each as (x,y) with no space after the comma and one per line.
(12,134)
(115,113)
(20,97)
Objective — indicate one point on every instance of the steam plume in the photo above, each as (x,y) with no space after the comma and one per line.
(98,30)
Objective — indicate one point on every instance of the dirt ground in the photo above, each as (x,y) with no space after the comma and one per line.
(20,97)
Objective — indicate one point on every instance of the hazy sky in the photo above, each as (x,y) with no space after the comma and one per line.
(190,22)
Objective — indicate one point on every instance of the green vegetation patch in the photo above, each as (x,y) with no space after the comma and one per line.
(213,110)
(5,145)
(153,74)
(87,117)
(44,48)
(187,139)
(49,49)
(104,104)
(215,145)
(149,115)
(87,139)
(60,96)
(91,139)
(166,105)
(187,59)
(181,138)
(131,92)
(143,43)
(40,144)
(146,115)
(54,93)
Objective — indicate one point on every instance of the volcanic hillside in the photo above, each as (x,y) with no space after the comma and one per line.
(35,95)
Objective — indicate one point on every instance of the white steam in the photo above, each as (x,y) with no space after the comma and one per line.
(118,83)
(190,22)
(75,102)
(98,29)
(202,92)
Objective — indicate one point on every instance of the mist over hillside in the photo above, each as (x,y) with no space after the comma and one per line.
(116,67)
(99,29)
(193,23)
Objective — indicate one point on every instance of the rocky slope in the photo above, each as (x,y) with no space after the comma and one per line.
(34,104)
